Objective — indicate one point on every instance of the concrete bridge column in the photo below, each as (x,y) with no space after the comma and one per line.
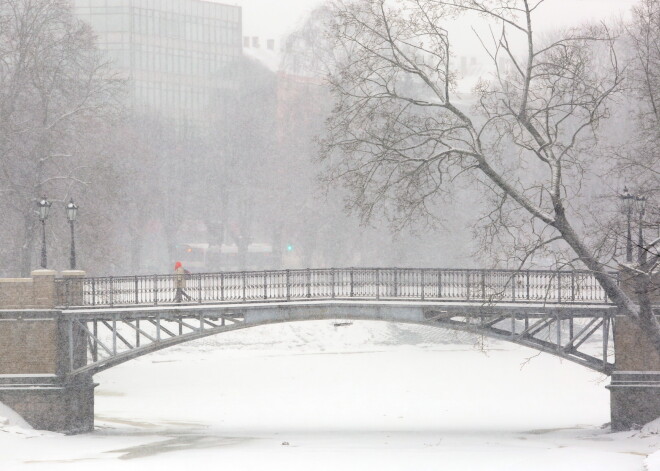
(635,386)
(38,350)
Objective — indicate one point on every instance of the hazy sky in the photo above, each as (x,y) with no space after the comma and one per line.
(274,18)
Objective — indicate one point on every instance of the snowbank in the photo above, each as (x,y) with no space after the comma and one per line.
(652,463)
(652,428)
(11,422)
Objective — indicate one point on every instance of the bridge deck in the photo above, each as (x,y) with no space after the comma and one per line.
(453,307)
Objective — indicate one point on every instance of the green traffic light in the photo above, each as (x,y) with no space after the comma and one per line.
(289,248)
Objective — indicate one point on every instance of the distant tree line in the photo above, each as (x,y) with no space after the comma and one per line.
(144,184)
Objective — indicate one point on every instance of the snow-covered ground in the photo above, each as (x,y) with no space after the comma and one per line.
(313,396)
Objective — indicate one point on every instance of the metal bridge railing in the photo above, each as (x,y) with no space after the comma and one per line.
(531,286)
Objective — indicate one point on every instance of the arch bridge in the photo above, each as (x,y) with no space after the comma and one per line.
(98,323)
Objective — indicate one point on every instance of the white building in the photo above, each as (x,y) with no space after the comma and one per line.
(176,53)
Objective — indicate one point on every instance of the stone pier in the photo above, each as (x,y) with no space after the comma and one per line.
(635,386)
(38,348)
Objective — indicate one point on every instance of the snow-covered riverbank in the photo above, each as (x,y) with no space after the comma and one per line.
(365,396)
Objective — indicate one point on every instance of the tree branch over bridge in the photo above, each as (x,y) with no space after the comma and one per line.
(401,132)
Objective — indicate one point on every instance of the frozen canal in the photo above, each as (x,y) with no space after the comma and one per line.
(369,396)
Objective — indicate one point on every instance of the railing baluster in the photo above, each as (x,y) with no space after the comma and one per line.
(288,285)
(332,274)
(422,280)
(573,286)
(467,284)
(439,283)
(244,287)
(483,285)
(528,284)
(513,287)
(155,280)
(395,282)
(377,284)
(351,280)
(308,281)
(558,286)
(265,285)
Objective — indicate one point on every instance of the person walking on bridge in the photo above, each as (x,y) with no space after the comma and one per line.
(180,282)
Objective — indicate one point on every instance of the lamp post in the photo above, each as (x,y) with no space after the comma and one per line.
(71,213)
(628,203)
(44,208)
(641,207)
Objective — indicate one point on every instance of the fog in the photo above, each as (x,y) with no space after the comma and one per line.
(208,156)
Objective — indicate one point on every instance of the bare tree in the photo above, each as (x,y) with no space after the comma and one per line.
(55,94)
(401,133)
(643,32)
(639,161)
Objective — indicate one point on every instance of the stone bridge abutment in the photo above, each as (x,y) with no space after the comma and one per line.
(38,349)
(635,385)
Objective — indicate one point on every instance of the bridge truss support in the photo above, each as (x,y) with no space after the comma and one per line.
(581,334)
(48,358)
(113,338)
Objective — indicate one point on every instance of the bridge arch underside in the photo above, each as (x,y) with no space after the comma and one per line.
(581,334)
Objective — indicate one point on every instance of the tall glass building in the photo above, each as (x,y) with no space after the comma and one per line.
(175,52)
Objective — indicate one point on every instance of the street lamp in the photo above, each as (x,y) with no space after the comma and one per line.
(628,203)
(640,202)
(71,213)
(44,208)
